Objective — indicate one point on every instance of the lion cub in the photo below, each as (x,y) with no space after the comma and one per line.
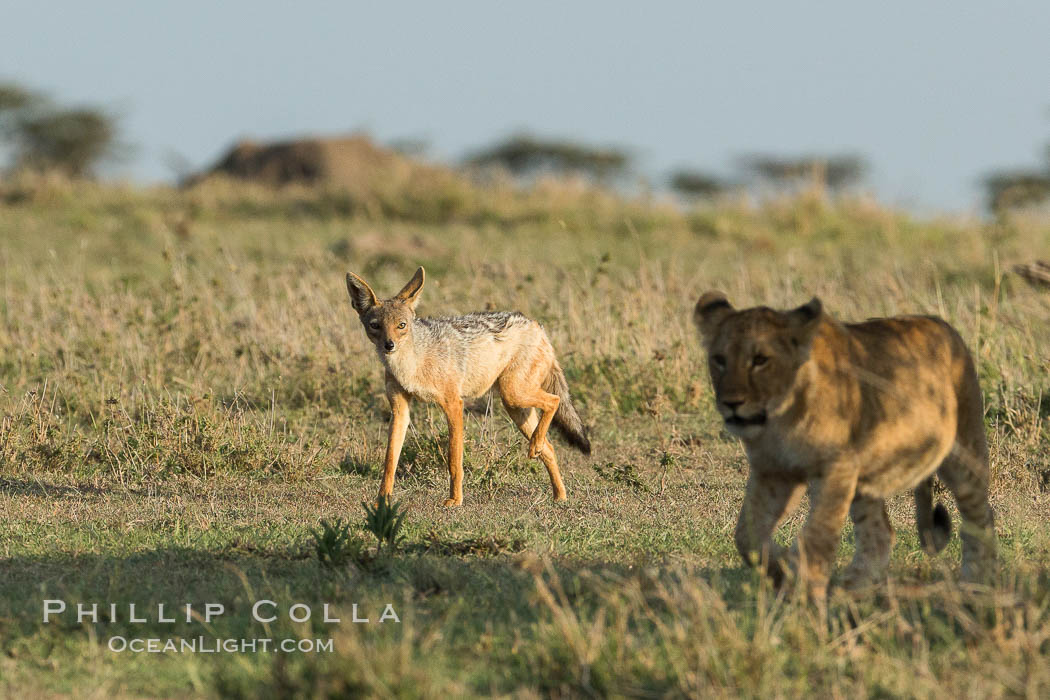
(858,412)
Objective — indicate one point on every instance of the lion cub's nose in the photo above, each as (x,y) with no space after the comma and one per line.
(732,405)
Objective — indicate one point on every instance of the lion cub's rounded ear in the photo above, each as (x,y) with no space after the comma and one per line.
(807,314)
(410,293)
(362,298)
(805,320)
(710,310)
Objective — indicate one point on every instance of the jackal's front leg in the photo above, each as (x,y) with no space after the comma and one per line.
(399,405)
(453,408)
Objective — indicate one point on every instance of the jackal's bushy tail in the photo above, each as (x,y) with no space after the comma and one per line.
(935,525)
(566,419)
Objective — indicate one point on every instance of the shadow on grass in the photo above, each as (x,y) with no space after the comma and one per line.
(25,487)
(466,594)
(472,583)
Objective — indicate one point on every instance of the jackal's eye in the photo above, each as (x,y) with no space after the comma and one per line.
(759,360)
(719,361)
(401,325)
(374,325)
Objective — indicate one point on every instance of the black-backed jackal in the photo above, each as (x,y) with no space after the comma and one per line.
(445,360)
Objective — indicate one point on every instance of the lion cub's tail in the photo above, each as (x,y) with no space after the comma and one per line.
(935,525)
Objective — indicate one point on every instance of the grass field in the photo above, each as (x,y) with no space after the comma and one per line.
(185,393)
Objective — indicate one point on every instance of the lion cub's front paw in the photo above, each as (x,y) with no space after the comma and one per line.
(453,502)
(782,566)
(860,579)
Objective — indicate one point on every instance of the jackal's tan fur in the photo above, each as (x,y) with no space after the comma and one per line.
(445,360)
(858,412)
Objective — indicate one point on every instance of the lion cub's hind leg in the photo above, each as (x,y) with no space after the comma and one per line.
(873,536)
(526,420)
(965,472)
(962,471)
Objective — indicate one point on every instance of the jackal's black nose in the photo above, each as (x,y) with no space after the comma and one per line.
(389,345)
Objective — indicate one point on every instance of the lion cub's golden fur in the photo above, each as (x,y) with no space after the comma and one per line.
(857,412)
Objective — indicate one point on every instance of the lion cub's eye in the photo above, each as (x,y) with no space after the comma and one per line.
(401,325)
(759,360)
(719,361)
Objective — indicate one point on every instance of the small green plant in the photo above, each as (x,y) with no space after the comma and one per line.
(334,544)
(621,474)
(384,520)
(668,460)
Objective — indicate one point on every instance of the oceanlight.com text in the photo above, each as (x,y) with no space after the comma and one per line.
(217,645)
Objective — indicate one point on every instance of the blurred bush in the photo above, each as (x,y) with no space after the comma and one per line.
(832,171)
(41,136)
(1016,189)
(527,155)
(694,184)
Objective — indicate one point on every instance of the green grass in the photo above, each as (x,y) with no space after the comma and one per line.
(185,394)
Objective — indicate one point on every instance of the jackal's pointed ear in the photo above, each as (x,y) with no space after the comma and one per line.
(709,312)
(805,320)
(362,298)
(410,293)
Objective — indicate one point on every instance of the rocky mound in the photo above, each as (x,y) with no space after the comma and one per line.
(354,163)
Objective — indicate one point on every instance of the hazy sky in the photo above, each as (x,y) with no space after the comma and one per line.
(933,93)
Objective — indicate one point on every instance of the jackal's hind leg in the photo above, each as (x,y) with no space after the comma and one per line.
(521,390)
(526,420)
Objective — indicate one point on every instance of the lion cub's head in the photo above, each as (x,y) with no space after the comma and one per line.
(754,355)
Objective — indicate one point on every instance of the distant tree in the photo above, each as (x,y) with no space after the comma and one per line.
(834,171)
(14,97)
(73,140)
(695,184)
(1015,189)
(1023,187)
(41,136)
(527,155)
